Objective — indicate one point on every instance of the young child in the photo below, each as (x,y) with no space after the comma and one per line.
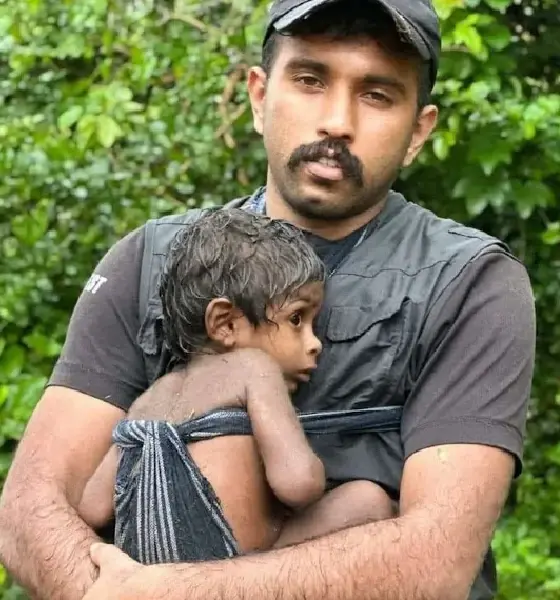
(240,293)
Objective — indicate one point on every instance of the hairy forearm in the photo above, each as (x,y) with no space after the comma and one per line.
(399,559)
(45,545)
(451,499)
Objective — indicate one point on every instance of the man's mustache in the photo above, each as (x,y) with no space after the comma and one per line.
(333,149)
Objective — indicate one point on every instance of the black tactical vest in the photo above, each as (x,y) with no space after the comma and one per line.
(376,304)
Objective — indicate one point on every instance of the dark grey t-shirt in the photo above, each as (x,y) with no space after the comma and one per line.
(477,350)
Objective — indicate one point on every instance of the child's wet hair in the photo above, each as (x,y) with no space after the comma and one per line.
(253,261)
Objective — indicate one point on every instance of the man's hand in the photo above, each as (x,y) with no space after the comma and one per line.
(44,543)
(120,577)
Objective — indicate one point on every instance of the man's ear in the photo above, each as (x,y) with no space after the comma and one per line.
(221,322)
(256,87)
(425,124)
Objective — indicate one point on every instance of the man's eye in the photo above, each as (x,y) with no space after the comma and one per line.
(295,319)
(308,81)
(378,97)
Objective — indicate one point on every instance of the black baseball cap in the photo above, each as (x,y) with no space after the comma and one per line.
(415,20)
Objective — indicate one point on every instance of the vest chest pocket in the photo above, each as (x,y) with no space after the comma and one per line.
(357,367)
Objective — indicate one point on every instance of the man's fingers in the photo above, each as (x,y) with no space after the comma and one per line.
(120,577)
(107,555)
(98,553)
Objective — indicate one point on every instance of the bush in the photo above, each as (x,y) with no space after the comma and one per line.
(116,112)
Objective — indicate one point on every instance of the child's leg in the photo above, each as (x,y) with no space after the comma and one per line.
(351,504)
(96,505)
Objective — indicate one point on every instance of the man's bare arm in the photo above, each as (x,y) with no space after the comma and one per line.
(451,500)
(43,542)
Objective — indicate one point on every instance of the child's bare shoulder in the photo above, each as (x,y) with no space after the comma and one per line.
(236,374)
(210,381)
(239,369)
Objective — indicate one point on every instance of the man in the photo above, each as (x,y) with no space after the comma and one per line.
(419,312)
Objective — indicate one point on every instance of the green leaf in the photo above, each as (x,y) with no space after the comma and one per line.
(42,345)
(476,205)
(497,36)
(25,394)
(500,5)
(5,460)
(11,362)
(86,128)
(479,91)
(440,146)
(488,148)
(480,192)
(466,33)
(108,131)
(4,392)
(31,227)
(551,236)
(70,117)
(445,8)
(539,193)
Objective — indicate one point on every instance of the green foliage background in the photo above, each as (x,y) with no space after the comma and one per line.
(112,112)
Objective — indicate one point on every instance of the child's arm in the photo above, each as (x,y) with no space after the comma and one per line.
(96,506)
(294,472)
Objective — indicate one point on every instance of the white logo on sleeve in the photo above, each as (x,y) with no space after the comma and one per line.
(94,283)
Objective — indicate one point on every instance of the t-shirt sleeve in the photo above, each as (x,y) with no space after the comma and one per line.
(474,362)
(100,356)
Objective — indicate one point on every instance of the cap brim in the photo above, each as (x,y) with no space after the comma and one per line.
(404,27)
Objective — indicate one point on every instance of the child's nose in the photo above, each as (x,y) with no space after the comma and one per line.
(315,346)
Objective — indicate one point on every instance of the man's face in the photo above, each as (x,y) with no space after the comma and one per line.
(339,119)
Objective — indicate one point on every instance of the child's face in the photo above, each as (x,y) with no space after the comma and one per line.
(290,339)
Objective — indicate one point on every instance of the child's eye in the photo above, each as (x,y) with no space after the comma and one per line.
(295,319)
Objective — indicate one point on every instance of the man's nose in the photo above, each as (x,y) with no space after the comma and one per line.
(337,118)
